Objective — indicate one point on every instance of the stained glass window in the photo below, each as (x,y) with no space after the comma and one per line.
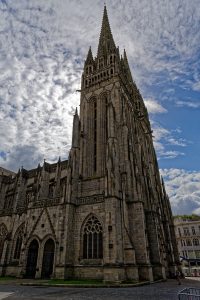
(93,239)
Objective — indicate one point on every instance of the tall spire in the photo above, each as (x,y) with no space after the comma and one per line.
(106,41)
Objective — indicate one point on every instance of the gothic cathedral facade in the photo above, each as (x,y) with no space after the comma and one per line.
(103,213)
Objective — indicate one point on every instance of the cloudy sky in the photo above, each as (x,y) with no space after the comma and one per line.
(43,44)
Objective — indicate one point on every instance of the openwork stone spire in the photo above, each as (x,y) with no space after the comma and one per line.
(106,41)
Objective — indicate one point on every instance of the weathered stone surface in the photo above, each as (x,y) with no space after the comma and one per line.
(111,178)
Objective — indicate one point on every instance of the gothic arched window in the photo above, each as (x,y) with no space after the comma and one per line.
(92,239)
(18,241)
(105,116)
(101,63)
(51,190)
(3,235)
(188,243)
(95,135)
(195,242)
(18,247)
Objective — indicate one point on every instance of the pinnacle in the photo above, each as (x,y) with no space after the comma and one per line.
(126,64)
(106,41)
(125,56)
(89,59)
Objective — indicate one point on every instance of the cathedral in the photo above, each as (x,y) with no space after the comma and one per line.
(103,213)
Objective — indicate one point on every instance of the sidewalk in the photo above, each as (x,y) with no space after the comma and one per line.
(193,278)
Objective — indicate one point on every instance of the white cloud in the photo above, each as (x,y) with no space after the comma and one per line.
(154,107)
(164,138)
(180,142)
(196,86)
(42,48)
(183,188)
(171,154)
(190,104)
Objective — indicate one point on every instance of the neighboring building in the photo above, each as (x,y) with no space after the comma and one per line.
(187,230)
(104,213)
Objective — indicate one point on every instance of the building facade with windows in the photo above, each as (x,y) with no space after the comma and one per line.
(187,229)
(103,213)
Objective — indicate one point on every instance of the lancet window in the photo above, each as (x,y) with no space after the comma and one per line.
(95,135)
(3,235)
(18,242)
(93,239)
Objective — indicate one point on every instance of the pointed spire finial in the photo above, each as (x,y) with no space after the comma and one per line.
(125,56)
(76,111)
(106,41)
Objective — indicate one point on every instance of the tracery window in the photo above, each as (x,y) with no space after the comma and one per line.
(3,235)
(92,239)
(18,242)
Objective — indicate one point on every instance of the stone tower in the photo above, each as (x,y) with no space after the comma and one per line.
(115,171)
(104,213)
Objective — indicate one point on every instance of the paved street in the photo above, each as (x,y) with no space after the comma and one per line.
(164,291)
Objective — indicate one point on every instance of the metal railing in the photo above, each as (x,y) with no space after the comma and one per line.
(189,294)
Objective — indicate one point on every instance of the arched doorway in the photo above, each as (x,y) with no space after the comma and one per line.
(32,259)
(48,259)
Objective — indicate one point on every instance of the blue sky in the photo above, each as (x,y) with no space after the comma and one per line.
(43,44)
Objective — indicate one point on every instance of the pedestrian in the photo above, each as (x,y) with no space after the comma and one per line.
(178,277)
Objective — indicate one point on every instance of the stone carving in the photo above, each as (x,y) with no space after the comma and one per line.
(89,200)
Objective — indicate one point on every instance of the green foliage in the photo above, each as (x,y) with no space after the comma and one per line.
(78,281)
(192,217)
(5,278)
